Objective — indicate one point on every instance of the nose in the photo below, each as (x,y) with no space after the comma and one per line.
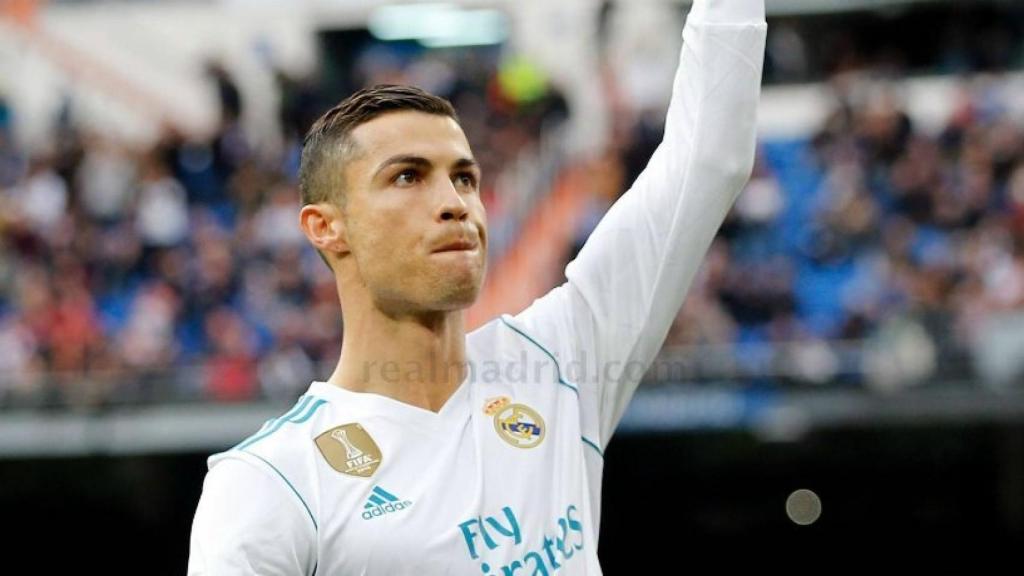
(452,205)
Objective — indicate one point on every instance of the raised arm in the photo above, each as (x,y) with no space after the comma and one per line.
(608,321)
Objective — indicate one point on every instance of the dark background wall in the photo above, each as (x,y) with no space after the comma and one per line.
(947,499)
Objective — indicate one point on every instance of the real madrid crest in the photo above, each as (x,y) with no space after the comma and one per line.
(520,425)
(349,449)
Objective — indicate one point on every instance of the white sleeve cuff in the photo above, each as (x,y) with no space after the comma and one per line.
(728,11)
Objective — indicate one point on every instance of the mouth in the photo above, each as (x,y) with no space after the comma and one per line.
(457,246)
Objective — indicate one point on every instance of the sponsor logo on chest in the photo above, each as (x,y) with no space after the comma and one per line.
(381,502)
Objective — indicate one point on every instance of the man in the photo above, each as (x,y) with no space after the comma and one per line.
(429,451)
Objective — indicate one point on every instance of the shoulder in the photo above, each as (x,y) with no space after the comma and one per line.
(286,434)
(247,523)
(279,456)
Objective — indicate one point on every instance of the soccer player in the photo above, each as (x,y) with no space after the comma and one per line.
(430,451)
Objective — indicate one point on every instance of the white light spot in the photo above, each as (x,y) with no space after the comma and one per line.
(803,507)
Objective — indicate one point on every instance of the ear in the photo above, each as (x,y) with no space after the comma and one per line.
(325,228)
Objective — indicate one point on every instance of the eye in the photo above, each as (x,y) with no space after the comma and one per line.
(407,176)
(466,179)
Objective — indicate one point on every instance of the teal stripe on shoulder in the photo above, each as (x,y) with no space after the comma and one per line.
(593,445)
(276,423)
(558,369)
(290,485)
(297,415)
(309,413)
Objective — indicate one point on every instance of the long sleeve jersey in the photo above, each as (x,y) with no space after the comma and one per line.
(506,477)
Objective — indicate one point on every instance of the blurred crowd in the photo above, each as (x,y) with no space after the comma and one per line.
(873,253)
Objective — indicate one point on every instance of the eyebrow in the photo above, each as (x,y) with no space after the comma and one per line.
(422,162)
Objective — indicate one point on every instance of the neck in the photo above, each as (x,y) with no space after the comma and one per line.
(418,359)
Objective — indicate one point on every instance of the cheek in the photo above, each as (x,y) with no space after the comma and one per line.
(383,243)
(480,215)
(481,211)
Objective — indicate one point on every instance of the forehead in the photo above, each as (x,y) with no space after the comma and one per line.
(431,136)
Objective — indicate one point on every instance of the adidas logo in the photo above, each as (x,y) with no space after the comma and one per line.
(382,502)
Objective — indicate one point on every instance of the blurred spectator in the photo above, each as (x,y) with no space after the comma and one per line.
(20,366)
(40,200)
(161,213)
(230,372)
(146,341)
(105,180)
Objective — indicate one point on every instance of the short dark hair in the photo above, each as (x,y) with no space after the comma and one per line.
(327,144)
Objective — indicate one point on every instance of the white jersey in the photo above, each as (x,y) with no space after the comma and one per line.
(506,477)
